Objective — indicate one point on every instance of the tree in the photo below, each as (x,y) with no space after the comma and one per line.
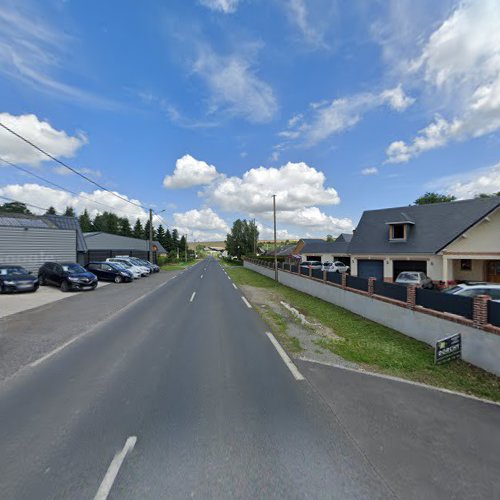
(15,207)
(169,242)
(124,227)
(138,229)
(146,231)
(429,198)
(182,245)
(51,211)
(486,195)
(106,222)
(175,238)
(160,235)
(86,222)
(330,238)
(70,212)
(243,238)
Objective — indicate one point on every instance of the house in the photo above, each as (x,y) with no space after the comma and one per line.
(31,240)
(323,251)
(456,241)
(104,245)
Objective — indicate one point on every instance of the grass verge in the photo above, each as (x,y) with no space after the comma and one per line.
(179,266)
(377,347)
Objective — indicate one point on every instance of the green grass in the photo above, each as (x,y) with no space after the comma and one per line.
(178,266)
(378,347)
(278,326)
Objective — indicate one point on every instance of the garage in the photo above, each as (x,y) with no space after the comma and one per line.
(400,266)
(371,269)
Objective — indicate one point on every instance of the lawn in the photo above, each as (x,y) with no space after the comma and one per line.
(377,347)
(178,266)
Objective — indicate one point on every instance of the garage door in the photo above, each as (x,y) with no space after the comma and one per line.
(409,265)
(371,269)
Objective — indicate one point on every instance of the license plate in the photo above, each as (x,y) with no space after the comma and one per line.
(24,287)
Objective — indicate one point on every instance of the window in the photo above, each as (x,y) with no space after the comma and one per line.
(398,232)
(465,264)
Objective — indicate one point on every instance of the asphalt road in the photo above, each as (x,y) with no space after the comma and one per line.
(181,395)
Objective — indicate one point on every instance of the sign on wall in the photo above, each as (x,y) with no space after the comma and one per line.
(448,348)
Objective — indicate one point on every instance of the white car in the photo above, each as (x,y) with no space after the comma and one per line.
(135,270)
(145,271)
(473,288)
(335,267)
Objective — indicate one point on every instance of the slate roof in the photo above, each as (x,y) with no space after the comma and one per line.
(339,246)
(285,251)
(98,240)
(435,226)
(67,222)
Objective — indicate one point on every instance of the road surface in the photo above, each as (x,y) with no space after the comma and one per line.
(181,395)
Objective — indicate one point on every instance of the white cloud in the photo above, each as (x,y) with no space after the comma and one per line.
(332,117)
(464,186)
(36,53)
(56,142)
(313,219)
(225,6)
(45,197)
(299,15)
(235,86)
(205,219)
(267,233)
(190,172)
(460,64)
(296,185)
(370,171)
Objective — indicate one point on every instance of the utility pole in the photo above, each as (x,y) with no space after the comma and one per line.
(275,254)
(150,235)
(185,249)
(254,238)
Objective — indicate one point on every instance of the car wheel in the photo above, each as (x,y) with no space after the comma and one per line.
(41,280)
(65,286)
(118,279)
(94,287)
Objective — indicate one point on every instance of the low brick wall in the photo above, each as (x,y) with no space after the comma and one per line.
(481,346)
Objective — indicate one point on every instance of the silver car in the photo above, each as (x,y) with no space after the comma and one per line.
(414,278)
(472,289)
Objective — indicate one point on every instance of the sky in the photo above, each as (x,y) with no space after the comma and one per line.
(203,109)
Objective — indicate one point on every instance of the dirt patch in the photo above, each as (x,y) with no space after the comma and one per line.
(298,334)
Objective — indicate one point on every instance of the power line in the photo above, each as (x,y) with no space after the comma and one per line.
(57,185)
(72,169)
(23,203)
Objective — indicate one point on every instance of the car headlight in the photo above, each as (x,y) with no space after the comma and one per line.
(124,274)
(73,279)
(9,282)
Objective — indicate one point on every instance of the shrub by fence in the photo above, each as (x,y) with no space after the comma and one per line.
(445,302)
(494,313)
(391,290)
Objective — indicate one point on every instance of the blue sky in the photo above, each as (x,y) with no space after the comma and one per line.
(207,107)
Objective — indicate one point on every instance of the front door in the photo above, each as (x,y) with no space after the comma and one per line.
(493,271)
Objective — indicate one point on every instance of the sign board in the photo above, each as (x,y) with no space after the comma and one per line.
(448,348)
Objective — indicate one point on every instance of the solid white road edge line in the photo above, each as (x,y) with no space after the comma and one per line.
(55,351)
(284,356)
(246,302)
(398,379)
(114,468)
(235,287)
(192,297)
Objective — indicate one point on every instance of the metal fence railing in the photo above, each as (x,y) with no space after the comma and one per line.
(334,278)
(494,313)
(317,273)
(445,302)
(304,271)
(357,283)
(390,290)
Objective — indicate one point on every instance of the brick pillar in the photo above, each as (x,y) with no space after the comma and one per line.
(324,275)
(480,311)
(371,286)
(344,280)
(411,296)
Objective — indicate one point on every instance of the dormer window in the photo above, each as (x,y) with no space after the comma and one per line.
(398,231)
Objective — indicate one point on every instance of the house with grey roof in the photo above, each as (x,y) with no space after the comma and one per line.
(104,245)
(322,250)
(32,240)
(456,241)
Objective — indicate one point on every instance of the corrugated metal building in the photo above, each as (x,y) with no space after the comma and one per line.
(31,240)
(103,245)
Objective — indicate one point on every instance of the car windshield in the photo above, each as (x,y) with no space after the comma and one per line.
(13,271)
(408,276)
(73,268)
(123,264)
(115,265)
(453,289)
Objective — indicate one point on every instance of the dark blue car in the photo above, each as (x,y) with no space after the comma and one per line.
(109,271)
(67,275)
(17,279)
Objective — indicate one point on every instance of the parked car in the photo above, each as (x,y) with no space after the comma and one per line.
(335,267)
(67,275)
(471,289)
(17,279)
(145,263)
(126,260)
(109,271)
(136,272)
(414,278)
(311,264)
